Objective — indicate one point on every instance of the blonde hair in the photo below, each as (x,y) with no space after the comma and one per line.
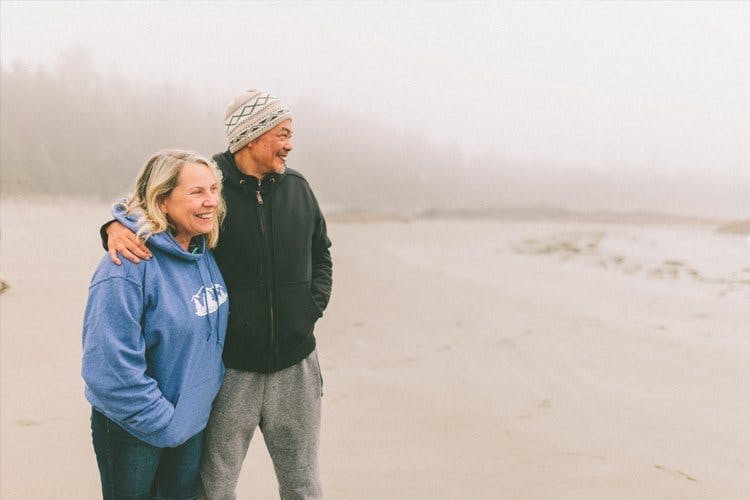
(157,179)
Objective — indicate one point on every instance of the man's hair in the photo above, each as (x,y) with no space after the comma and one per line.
(157,179)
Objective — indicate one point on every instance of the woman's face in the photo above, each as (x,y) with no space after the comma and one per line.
(191,206)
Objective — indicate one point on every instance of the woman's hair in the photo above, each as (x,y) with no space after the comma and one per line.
(157,179)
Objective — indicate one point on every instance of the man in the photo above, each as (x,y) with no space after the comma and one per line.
(274,255)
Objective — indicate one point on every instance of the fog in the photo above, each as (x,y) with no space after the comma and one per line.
(398,106)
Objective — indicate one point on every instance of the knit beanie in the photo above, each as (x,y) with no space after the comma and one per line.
(250,115)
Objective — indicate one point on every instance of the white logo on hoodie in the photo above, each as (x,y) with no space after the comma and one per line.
(208,299)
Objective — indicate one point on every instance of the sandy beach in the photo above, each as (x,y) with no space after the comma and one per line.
(462,358)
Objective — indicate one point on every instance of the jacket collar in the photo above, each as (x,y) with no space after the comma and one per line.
(232,173)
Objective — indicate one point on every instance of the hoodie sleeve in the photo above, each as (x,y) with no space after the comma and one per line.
(114,358)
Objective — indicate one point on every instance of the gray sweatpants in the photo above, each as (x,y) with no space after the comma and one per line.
(286,407)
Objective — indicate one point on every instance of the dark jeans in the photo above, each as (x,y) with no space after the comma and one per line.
(131,469)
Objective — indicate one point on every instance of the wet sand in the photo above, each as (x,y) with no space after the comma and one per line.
(461,359)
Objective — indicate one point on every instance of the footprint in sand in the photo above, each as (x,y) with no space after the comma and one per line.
(675,472)
(506,342)
(28,423)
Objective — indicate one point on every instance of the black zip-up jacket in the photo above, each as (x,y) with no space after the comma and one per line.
(274,255)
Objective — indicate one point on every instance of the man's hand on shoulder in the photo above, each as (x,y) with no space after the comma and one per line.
(122,240)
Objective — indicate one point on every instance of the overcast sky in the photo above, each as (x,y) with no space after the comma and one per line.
(621,87)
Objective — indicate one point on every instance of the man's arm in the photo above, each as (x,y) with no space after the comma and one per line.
(322,266)
(116,238)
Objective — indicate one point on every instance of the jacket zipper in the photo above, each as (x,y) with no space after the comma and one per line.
(272,290)
(259,197)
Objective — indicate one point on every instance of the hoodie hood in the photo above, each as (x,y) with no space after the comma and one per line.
(164,241)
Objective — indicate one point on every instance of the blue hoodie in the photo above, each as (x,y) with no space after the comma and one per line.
(152,340)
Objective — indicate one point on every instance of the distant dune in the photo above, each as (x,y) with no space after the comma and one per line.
(519,212)
(738,227)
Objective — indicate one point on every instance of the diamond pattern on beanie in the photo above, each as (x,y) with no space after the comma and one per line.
(248,110)
(265,124)
(251,115)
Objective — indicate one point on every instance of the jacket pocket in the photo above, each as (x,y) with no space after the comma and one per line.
(297,312)
(248,317)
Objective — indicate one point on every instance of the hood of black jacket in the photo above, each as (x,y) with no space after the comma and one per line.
(233,175)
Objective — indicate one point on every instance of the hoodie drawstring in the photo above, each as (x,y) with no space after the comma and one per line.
(212,292)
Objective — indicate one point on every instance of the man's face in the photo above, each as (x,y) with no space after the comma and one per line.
(269,151)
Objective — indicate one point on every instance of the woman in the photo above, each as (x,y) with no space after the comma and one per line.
(153,333)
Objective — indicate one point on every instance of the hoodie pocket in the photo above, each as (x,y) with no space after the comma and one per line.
(192,410)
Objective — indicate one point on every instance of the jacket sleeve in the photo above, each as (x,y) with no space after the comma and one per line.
(322,266)
(117,208)
(114,358)
(103,234)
